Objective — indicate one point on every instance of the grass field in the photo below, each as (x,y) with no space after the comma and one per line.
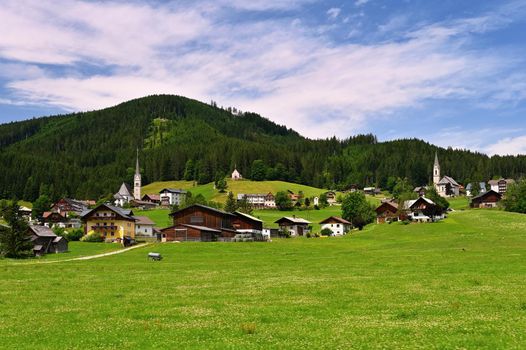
(242,186)
(455,284)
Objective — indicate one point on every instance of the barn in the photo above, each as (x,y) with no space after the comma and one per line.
(488,199)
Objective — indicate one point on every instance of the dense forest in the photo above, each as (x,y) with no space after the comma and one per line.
(88,155)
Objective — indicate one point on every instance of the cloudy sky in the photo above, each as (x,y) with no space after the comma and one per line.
(450,72)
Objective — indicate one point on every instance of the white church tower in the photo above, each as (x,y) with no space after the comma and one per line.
(436,171)
(137,180)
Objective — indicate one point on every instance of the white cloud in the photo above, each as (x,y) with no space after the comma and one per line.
(287,72)
(508,146)
(361,2)
(333,12)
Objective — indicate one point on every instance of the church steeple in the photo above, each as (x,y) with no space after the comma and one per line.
(137,179)
(436,170)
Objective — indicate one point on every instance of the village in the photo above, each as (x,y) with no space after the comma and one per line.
(114,221)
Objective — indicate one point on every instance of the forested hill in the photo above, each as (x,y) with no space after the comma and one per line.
(88,155)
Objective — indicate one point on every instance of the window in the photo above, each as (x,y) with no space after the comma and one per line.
(196,219)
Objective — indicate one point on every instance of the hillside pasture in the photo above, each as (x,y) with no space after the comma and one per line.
(459,283)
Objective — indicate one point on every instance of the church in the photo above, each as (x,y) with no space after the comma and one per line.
(126,194)
(445,186)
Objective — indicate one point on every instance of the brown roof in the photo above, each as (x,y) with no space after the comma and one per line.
(143,220)
(335,219)
(42,231)
(49,213)
(155,197)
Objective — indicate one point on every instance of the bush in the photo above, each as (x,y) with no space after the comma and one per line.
(317,235)
(74,235)
(406,222)
(59,231)
(316,207)
(326,232)
(93,237)
(308,235)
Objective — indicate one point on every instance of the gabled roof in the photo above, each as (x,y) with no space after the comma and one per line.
(204,207)
(293,220)
(335,219)
(482,195)
(143,220)
(496,182)
(392,204)
(156,197)
(448,180)
(125,191)
(247,216)
(201,228)
(408,204)
(482,186)
(126,213)
(42,231)
(172,190)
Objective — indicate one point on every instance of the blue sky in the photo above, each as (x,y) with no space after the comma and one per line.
(450,72)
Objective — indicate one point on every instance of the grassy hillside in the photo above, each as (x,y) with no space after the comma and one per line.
(454,284)
(242,186)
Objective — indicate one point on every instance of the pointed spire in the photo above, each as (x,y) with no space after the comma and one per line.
(137,169)
(436,159)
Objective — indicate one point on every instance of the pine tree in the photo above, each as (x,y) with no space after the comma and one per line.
(15,241)
(244,206)
(231,203)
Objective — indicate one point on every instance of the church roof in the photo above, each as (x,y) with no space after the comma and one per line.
(436,159)
(448,180)
(137,169)
(124,191)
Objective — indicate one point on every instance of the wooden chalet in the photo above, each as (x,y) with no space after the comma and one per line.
(200,223)
(293,225)
(45,241)
(387,212)
(489,199)
(422,210)
(247,223)
(68,205)
(151,198)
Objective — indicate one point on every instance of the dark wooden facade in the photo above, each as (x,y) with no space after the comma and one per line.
(387,211)
(189,233)
(486,200)
(246,222)
(200,215)
(45,241)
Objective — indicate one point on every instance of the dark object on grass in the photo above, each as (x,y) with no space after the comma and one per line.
(155,256)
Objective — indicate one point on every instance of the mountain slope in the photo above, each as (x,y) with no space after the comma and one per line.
(87,155)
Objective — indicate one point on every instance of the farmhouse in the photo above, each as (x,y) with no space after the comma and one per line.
(45,241)
(144,226)
(25,212)
(170,196)
(488,199)
(151,198)
(422,210)
(59,219)
(270,201)
(387,212)
(245,223)
(256,200)
(481,188)
(420,190)
(293,225)
(337,225)
(331,197)
(110,221)
(200,223)
(70,206)
(501,185)
(371,191)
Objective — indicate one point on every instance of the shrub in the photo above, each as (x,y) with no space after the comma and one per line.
(74,235)
(326,232)
(316,207)
(93,237)
(317,235)
(406,222)
(308,235)
(59,231)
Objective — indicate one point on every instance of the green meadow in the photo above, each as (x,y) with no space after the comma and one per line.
(457,284)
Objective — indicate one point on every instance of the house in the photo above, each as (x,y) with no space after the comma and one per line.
(420,190)
(422,210)
(45,241)
(114,223)
(151,198)
(331,197)
(144,226)
(70,206)
(143,205)
(25,212)
(481,185)
(293,197)
(488,199)
(236,175)
(245,223)
(387,211)
(60,219)
(124,195)
(171,196)
(371,191)
(293,225)
(337,225)
(254,199)
(270,201)
(501,185)
(200,223)
(445,186)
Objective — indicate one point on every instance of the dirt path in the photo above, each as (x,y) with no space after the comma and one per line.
(90,257)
